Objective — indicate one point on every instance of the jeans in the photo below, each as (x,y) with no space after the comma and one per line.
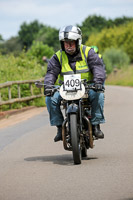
(56,116)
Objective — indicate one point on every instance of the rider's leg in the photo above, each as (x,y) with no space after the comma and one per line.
(55,114)
(97,116)
(53,106)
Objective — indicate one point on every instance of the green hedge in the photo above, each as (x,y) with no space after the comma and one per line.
(115,58)
(118,37)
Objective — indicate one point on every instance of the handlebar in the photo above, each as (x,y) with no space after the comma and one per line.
(54,88)
(39,84)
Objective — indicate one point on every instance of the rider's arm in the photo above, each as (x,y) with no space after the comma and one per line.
(96,66)
(53,70)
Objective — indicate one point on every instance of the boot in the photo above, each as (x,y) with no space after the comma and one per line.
(58,137)
(97,132)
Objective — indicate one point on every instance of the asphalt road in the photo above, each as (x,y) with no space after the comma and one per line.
(33,167)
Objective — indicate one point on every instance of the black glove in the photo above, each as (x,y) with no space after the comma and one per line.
(38,84)
(49,91)
(99,87)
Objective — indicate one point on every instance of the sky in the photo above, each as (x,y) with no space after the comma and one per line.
(57,13)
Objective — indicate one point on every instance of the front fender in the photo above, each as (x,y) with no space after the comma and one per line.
(72,108)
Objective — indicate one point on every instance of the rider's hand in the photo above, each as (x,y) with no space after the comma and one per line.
(98,87)
(38,84)
(48,91)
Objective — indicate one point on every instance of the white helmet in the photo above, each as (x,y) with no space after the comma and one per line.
(70,33)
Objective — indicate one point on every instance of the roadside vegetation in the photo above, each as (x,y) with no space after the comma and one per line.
(122,77)
(21,55)
(27,66)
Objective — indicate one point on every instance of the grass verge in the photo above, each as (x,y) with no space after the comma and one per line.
(122,77)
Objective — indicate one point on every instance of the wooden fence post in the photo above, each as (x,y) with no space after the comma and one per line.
(9,93)
(19,91)
(31,88)
(0,97)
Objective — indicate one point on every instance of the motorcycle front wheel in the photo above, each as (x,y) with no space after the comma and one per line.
(75,139)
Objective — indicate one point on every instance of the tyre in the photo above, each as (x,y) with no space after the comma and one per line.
(75,139)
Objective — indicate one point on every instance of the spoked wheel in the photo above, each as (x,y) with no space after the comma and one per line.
(75,139)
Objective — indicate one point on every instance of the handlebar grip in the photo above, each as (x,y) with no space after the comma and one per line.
(93,88)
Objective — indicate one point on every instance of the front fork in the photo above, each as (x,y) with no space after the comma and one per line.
(80,116)
(70,108)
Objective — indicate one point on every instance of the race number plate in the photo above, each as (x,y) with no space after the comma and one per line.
(72,82)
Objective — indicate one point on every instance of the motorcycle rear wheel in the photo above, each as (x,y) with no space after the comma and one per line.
(75,139)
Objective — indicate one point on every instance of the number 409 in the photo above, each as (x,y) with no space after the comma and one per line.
(73,82)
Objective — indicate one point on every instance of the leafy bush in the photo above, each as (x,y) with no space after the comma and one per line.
(118,37)
(38,50)
(20,68)
(115,58)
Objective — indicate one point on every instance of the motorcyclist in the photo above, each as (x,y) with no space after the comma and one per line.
(73,57)
(97,51)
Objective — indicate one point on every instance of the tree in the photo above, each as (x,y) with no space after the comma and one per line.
(49,36)
(28,33)
(122,20)
(120,37)
(1,39)
(11,46)
(92,24)
(95,24)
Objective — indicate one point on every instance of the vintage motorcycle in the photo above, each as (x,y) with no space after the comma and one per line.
(76,129)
